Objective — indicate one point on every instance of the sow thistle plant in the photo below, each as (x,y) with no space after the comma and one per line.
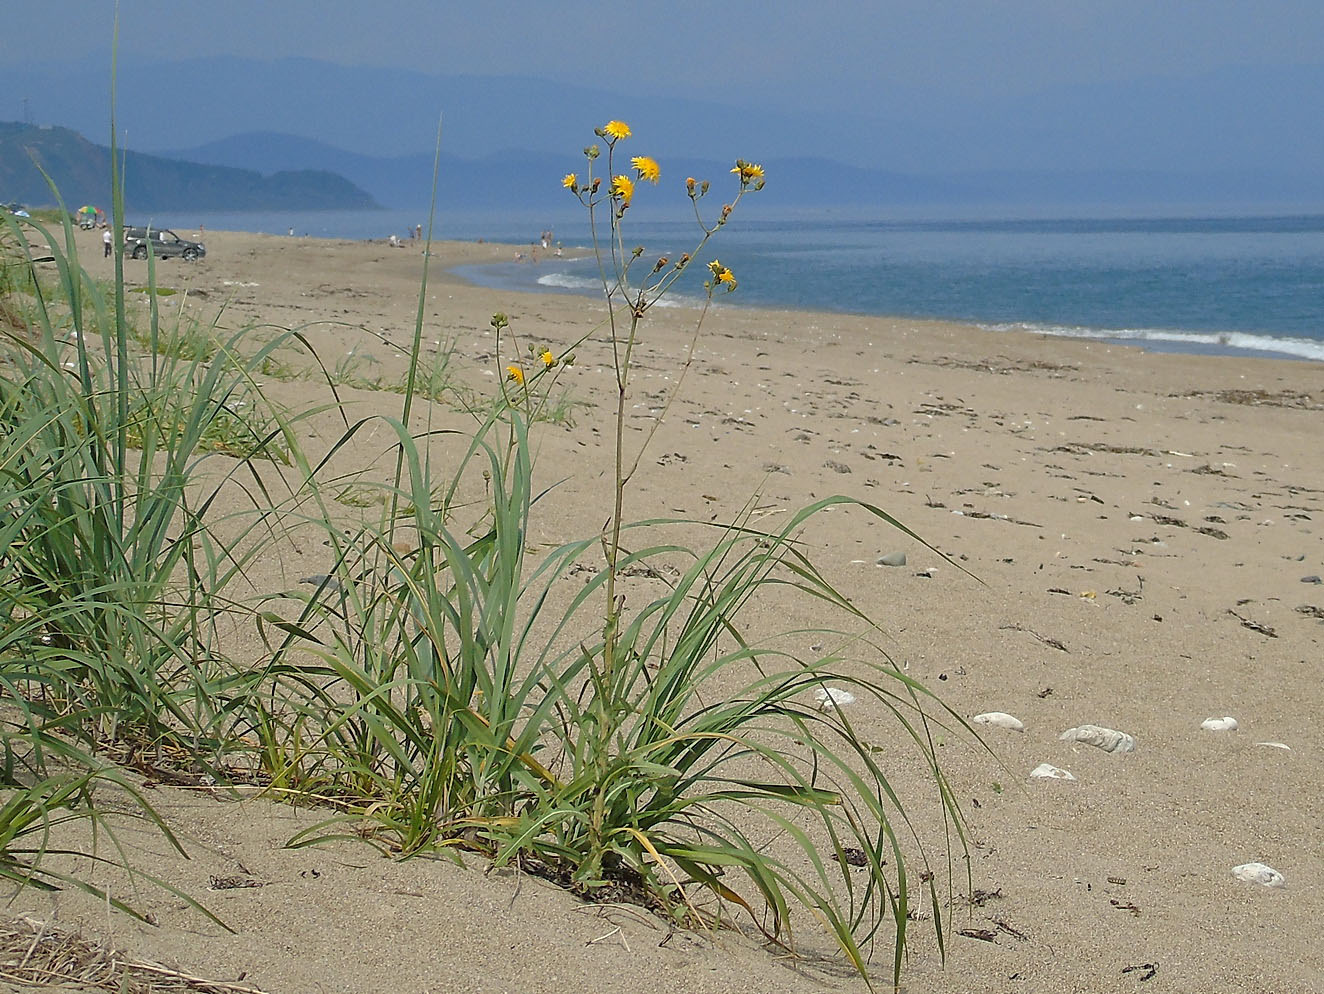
(464,696)
(668,780)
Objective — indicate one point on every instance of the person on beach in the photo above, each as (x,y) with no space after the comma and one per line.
(105,243)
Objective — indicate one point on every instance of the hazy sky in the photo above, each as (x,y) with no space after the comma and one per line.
(805,53)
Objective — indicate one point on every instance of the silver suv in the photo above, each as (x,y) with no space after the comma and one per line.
(164,243)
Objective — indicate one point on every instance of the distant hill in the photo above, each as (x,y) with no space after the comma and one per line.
(1240,135)
(521,178)
(81,172)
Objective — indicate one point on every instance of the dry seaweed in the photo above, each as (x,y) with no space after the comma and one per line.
(1001,366)
(1262,398)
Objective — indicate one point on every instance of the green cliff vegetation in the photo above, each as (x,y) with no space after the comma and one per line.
(81,169)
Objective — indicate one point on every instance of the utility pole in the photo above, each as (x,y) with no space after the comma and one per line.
(27,114)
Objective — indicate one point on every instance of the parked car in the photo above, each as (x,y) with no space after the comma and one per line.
(164,242)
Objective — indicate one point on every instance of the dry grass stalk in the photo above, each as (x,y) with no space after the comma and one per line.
(33,954)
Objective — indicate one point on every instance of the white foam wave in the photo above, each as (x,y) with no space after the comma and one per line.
(565,281)
(592,286)
(1195,341)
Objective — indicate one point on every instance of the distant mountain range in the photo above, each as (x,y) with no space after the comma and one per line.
(1236,136)
(80,170)
(518,178)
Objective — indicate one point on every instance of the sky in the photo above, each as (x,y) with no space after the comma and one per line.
(804,55)
(974,89)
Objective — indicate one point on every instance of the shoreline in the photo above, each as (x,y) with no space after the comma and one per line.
(1188,331)
(1142,538)
(519,276)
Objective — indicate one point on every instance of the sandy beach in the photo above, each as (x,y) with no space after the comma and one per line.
(1137,550)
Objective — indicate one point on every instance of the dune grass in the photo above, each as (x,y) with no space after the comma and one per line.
(441,688)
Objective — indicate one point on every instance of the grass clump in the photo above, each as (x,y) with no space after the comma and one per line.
(443,687)
(449,695)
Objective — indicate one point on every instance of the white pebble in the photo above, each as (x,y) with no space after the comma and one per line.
(833,697)
(1107,739)
(1000,719)
(1224,724)
(1258,873)
(1046,771)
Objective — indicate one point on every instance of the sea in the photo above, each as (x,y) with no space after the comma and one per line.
(1218,283)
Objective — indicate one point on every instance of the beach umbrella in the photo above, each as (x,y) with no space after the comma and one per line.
(86,209)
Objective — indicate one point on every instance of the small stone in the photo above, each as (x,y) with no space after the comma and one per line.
(1046,771)
(1276,745)
(999,719)
(1311,579)
(1107,739)
(892,559)
(1259,873)
(1224,724)
(833,697)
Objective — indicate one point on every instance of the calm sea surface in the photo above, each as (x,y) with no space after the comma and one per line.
(1223,285)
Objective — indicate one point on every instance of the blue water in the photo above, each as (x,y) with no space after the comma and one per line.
(1221,285)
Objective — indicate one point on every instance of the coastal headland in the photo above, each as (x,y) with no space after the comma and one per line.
(1139,546)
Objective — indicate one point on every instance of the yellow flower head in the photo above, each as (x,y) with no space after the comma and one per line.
(722,276)
(616,130)
(749,172)
(515,374)
(570,182)
(547,358)
(646,168)
(623,187)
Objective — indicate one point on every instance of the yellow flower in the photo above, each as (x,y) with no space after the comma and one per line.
(547,358)
(516,374)
(570,182)
(646,168)
(722,276)
(748,171)
(617,130)
(622,186)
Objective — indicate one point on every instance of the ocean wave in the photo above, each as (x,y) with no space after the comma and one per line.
(592,286)
(568,281)
(1185,341)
